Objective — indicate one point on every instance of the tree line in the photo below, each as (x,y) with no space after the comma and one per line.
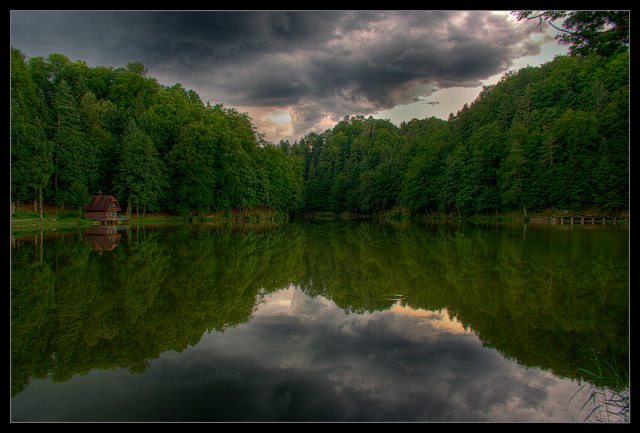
(77,130)
(555,136)
(550,136)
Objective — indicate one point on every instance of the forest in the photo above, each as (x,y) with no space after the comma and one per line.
(551,136)
(554,136)
(77,130)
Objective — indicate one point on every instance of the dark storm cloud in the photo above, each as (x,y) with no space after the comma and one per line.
(319,64)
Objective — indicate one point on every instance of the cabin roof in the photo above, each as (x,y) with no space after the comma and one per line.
(102,203)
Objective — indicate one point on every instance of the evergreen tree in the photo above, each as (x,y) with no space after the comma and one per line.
(75,158)
(141,177)
(193,164)
(510,177)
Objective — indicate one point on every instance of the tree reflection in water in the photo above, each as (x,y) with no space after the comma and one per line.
(539,297)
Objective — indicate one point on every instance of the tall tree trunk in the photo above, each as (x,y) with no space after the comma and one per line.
(129,204)
(40,196)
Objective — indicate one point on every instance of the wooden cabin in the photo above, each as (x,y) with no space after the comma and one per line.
(103,208)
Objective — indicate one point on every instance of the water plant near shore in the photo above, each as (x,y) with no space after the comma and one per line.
(610,402)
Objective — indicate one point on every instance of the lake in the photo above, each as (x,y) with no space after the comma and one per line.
(317,321)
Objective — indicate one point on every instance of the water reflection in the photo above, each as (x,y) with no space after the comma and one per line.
(319,322)
(102,238)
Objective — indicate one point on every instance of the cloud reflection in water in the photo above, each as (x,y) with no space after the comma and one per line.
(305,359)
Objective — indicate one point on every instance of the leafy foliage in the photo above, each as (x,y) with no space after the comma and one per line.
(541,137)
(551,136)
(586,32)
(78,130)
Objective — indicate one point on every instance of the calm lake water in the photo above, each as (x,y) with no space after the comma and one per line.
(321,321)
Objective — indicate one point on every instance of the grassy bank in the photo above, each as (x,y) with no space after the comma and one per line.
(545,216)
(24,218)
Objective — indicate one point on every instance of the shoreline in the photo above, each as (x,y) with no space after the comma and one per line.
(53,221)
(546,216)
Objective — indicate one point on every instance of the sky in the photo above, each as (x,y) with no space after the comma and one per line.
(294,72)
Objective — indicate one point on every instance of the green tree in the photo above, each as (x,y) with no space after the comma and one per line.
(510,177)
(77,195)
(141,176)
(131,82)
(450,181)
(280,179)
(41,161)
(193,164)
(603,32)
(576,133)
(237,156)
(487,154)
(75,157)
(469,196)
(606,192)
(31,158)
(419,190)
(168,113)
(235,175)
(25,136)
(96,118)
(23,88)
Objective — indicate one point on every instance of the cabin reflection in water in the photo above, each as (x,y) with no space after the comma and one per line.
(102,238)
